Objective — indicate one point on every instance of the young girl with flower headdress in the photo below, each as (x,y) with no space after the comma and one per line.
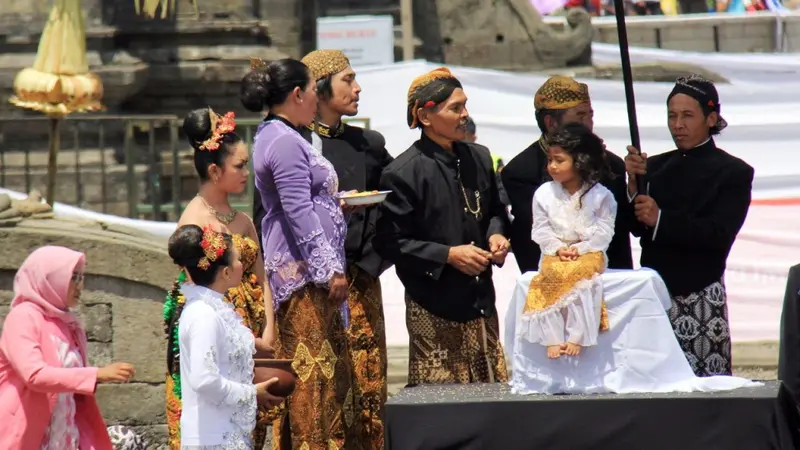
(221,159)
(573,223)
(219,399)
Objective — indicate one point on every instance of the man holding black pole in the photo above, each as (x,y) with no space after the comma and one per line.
(559,101)
(696,201)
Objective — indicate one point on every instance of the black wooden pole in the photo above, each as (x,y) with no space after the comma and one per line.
(627,79)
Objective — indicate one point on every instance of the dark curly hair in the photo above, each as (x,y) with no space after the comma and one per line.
(587,152)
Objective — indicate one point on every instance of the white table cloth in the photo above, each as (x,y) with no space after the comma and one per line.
(639,352)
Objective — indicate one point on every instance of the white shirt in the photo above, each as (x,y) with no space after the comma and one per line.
(216,360)
(563,220)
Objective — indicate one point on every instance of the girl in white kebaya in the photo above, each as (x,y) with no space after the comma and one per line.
(573,223)
(215,351)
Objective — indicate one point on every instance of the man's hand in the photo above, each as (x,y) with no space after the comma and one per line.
(568,254)
(635,164)
(469,259)
(646,210)
(498,247)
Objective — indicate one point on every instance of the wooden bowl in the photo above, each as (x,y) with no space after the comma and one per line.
(266,369)
(264,354)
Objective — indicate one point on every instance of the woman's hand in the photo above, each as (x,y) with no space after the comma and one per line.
(118,372)
(264,347)
(264,398)
(337,288)
(350,208)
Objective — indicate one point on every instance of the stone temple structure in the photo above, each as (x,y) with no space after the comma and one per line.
(195,57)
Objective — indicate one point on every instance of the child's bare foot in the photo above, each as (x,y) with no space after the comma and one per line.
(553,351)
(572,349)
(563,348)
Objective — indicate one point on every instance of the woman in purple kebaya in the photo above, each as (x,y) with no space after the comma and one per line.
(302,236)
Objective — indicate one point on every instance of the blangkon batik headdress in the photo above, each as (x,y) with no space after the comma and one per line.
(704,92)
(415,100)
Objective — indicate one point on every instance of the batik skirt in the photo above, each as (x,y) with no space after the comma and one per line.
(445,352)
(320,413)
(367,342)
(700,322)
(565,302)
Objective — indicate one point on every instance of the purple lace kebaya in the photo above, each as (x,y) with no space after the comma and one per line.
(304,229)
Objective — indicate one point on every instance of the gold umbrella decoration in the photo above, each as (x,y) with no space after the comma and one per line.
(59,83)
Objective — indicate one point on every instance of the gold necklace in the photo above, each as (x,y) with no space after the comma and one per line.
(225,219)
(324,130)
(474,211)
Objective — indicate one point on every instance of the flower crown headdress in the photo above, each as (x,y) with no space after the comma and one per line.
(213,247)
(221,125)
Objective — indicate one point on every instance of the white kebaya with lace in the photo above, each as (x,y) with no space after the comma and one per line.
(584,220)
(216,360)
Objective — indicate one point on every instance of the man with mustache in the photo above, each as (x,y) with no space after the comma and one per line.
(696,201)
(443,227)
(559,101)
(358,156)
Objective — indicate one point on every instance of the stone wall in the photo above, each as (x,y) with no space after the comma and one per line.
(764,31)
(127,275)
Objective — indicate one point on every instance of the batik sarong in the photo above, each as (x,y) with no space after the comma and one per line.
(320,413)
(367,342)
(445,352)
(700,322)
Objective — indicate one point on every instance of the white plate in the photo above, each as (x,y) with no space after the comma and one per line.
(365,199)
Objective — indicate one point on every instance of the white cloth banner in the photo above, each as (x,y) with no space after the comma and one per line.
(639,352)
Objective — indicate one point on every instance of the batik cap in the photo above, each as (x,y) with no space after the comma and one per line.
(419,97)
(560,92)
(323,63)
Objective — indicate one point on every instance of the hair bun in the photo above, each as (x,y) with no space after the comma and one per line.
(197,127)
(184,246)
(254,91)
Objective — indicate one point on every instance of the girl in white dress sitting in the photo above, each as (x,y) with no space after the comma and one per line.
(573,223)
(215,347)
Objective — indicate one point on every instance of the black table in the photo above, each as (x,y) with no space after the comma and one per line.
(489,417)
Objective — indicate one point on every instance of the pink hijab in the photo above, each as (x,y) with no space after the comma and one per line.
(43,279)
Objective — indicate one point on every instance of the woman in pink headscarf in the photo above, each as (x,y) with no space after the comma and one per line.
(46,387)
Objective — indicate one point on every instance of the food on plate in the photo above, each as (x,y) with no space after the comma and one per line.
(361,194)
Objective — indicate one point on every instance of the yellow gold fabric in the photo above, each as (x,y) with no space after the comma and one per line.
(248,300)
(560,92)
(367,342)
(445,352)
(323,63)
(311,333)
(557,278)
(420,82)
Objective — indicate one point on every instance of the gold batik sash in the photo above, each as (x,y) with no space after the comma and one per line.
(556,279)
